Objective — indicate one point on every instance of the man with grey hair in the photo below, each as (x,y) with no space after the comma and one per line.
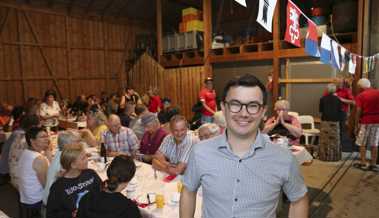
(64,138)
(330,105)
(367,123)
(208,130)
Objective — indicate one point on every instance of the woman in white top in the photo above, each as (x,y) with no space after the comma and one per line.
(50,110)
(32,170)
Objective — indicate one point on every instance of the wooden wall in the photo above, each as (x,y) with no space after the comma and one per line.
(181,85)
(41,50)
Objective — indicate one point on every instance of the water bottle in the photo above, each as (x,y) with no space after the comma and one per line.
(103,152)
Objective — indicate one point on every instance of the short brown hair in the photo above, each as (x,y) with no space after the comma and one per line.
(70,153)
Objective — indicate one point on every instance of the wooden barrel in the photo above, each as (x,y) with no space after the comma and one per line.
(329,146)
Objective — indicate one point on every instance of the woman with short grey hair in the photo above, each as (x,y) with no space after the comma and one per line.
(208,130)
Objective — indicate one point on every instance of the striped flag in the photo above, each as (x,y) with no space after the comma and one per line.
(311,40)
(325,49)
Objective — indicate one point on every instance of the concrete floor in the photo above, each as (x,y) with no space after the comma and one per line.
(336,190)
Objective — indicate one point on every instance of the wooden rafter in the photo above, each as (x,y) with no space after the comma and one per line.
(107,6)
(50,3)
(88,8)
(44,57)
(122,9)
(4,21)
(20,54)
(70,5)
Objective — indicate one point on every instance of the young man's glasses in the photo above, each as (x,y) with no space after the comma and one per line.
(251,107)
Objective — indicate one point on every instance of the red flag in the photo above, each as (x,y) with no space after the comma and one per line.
(293,28)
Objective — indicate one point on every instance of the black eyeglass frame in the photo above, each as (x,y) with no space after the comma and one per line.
(260,106)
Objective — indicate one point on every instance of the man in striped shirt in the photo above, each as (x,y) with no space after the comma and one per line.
(173,153)
(241,172)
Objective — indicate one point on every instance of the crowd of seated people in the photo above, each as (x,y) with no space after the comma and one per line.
(47,175)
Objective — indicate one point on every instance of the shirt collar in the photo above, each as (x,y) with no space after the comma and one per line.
(259,143)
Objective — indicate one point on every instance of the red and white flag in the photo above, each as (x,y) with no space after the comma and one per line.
(293,28)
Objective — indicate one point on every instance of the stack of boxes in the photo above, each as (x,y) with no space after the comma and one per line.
(191,20)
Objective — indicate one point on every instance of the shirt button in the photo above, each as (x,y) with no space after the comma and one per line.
(238,180)
(235,199)
(240,161)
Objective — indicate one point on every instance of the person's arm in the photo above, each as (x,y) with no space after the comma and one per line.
(299,208)
(88,137)
(294,129)
(270,124)
(160,163)
(206,107)
(40,166)
(358,114)
(176,169)
(187,203)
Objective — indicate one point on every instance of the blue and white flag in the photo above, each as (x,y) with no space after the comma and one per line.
(335,55)
(265,13)
(325,49)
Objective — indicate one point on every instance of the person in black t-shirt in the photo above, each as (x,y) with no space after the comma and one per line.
(77,181)
(331,106)
(111,203)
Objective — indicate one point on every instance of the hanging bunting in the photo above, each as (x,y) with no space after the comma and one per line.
(325,49)
(265,13)
(311,40)
(335,55)
(241,2)
(342,52)
(293,28)
(352,63)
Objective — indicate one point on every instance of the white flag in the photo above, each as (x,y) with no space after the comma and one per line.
(352,63)
(335,55)
(343,58)
(265,13)
(241,2)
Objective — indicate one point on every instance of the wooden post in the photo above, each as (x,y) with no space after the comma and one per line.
(20,55)
(68,55)
(105,38)
(276,60)
(207,19)
(159,30)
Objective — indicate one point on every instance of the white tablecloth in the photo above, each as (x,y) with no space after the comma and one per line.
(147,183)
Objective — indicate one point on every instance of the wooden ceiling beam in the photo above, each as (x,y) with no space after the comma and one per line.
(107,6)
(88,8)
(122,9)
(69,7)
(50,3)
(263,55)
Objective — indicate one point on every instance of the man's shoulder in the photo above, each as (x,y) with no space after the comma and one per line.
(274,151)
(208,145)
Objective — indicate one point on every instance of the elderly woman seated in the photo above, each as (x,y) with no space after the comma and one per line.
(283,124)
(208,130)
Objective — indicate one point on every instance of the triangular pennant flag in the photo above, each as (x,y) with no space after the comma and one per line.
(241,2)
(293,28)
(352,63)
(325,49)
(365,64)
(265,13)
(311,40)
(335,55)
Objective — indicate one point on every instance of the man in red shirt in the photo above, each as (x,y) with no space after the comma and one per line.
(367,123)
(208,99)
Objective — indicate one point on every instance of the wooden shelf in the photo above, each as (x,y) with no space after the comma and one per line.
(185,58)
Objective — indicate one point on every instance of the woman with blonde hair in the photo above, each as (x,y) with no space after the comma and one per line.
(77,181)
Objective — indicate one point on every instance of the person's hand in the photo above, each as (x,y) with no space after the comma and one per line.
(280,117)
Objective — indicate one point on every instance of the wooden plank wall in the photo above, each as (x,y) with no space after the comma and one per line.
(181,85)
(84,56)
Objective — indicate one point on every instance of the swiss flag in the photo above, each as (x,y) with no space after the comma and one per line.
(293,28)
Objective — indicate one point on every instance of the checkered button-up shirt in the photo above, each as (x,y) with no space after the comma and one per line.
(178,152)
(124,141)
